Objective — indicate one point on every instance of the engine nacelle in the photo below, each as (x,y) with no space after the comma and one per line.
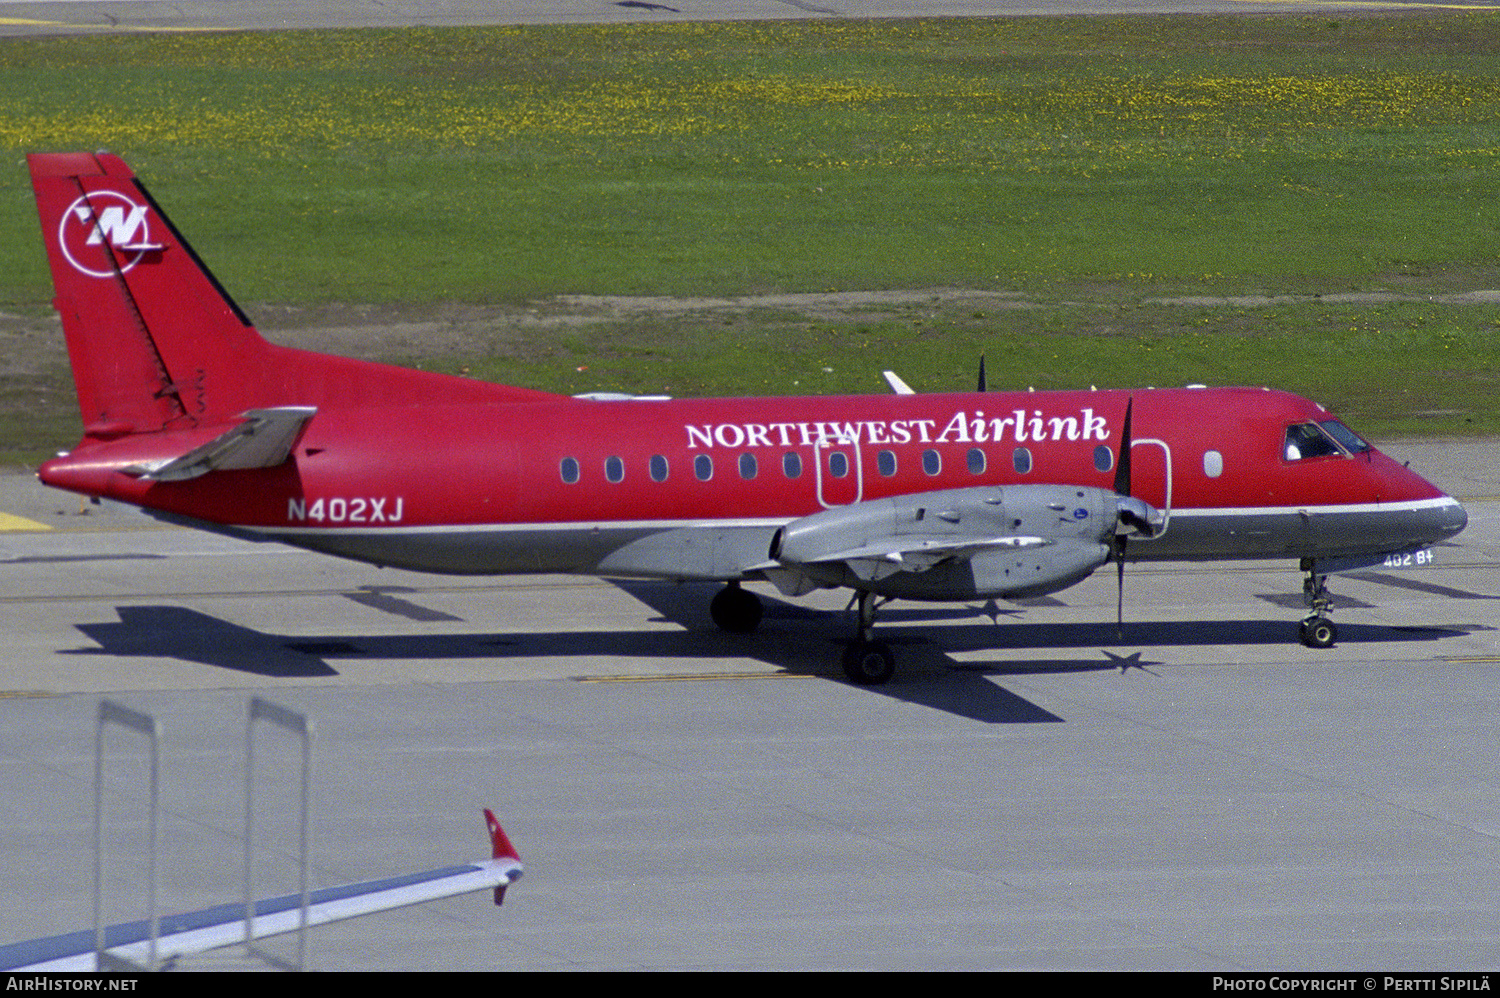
(1008,541)
(1005,574)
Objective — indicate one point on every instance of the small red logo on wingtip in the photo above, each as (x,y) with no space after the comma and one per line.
(105,233)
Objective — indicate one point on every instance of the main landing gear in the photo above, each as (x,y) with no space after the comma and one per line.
(868,662)
(736,610)
(1316,630)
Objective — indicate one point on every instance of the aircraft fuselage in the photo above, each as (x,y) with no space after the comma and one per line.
(561,486)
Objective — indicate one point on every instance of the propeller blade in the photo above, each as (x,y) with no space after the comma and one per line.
(1131,513)
(1122,467)
(1120,588)
(1128,516)
(982,384)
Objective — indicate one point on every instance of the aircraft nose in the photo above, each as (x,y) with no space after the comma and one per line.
(1434,515)
(1441,520)
(1457,517)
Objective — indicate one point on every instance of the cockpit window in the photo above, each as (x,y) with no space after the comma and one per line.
(1347,438)
(1306,440)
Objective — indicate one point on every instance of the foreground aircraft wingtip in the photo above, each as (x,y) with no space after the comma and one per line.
(498,840)
(502,849)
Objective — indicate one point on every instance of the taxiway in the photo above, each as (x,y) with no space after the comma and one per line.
(123,16)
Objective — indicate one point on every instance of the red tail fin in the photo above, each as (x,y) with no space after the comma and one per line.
(154,339)
(151,334)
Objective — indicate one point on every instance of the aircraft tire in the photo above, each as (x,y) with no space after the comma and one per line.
(869,663)
(1319,632)
(735,610)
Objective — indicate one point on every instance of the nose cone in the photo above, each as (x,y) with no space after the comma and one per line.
(1434,519)
(1433,515)
(1452,518)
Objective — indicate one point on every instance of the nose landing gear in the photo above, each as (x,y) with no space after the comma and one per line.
(1316,630)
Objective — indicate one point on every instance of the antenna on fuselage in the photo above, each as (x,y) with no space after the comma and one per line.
(982,385)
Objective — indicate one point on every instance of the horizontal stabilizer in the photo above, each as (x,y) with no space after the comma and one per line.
(263,441)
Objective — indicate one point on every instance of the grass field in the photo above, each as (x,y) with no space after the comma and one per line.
(1091,165)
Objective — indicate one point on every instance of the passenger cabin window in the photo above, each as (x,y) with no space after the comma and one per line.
(1306,440)
(703,467)
(932,462)
(569,470)
(1020,459)
(659,468)
(791,464)
(886,462)
(614,470)
(838,464)
(748,468)
(1213,463)
(975,459)
(1104,458)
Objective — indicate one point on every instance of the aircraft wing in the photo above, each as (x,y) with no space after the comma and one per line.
(263,441)
(224,925)
(981,541)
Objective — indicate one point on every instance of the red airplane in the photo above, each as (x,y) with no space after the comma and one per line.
(191,415)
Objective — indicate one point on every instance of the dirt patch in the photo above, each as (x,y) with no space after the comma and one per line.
(827,304)
(1349,298)
(31,345)
(32,351)
(457,330)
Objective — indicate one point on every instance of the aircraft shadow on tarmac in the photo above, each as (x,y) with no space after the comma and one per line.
(794,639)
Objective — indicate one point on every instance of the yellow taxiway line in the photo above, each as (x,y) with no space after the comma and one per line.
(10,522)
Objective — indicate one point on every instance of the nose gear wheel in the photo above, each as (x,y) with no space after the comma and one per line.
(1316,630)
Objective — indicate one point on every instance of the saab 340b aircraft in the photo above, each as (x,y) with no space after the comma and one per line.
(191,415)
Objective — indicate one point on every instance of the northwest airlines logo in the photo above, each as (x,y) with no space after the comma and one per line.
(105,233)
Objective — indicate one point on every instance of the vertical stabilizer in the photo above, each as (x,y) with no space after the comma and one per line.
(154,341)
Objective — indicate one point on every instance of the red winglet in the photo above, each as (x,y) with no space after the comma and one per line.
(502,849)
